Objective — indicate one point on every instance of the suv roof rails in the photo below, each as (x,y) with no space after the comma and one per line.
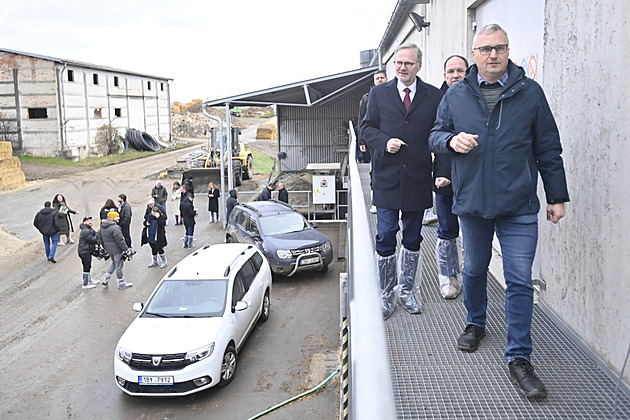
(229,267)
(249,207)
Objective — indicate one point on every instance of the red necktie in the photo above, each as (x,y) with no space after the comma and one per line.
(407,100)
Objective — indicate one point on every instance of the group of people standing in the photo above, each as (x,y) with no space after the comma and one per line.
(492,131)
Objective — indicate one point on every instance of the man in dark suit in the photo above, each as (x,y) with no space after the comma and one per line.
(400,115)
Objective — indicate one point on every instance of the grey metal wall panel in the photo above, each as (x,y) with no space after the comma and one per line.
(318,134)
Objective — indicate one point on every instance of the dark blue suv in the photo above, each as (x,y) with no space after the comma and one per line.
(287,239)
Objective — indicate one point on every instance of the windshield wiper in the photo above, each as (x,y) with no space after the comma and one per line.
(158,315)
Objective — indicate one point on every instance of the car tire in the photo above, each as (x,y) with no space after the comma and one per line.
(266,307)
(228,366)
(248,173)
(229,239)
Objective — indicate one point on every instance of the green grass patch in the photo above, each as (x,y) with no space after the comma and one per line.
(97,162)
(262,163)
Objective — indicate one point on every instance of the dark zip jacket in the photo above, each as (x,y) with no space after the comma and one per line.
(518,140)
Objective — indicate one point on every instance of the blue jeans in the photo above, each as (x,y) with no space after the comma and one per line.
(50,251)
(126,234)
(518,236)
(387,227)
(190,230)
(448,224)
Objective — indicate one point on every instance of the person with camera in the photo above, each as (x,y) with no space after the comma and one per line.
(114,244)
(88,243)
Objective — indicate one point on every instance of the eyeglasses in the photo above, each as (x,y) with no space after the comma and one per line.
(487,49)
(407,64)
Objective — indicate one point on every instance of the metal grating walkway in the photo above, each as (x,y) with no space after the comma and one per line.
(432,379)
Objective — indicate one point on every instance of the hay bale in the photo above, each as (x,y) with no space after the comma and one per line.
(6,151)
(267,131)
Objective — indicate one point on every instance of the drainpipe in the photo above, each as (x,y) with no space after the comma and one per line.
(63,128)
(222,196)
(228,128)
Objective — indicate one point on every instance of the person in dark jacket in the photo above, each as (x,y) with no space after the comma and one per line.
(109,205)
(47,222)
(283,194)
(160,195)
(446,249)
(88,240)
(154,233)
(188,212)
(113,242)
(500,132)
(400,115)
(213,202)
(124,209)
(231,203)
(265,194)
(190,187)
(65,221)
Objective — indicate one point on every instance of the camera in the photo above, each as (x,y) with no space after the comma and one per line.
(129,254)
(100,253)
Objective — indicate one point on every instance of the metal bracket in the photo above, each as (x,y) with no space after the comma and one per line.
(540,283)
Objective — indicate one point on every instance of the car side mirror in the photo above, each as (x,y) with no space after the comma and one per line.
(138,306)
(315,225)
(241,306)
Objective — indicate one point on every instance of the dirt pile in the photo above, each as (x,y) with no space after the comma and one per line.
(193,123)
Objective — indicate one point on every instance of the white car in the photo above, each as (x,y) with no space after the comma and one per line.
(187,336)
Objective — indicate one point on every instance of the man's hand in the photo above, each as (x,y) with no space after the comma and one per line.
(555,212)
(464,142)
(440,182)
(394,145)
(362,148)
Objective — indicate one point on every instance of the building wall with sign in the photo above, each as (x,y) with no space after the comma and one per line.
(576,50)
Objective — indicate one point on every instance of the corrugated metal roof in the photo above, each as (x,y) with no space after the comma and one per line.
(300,94)
(81,64)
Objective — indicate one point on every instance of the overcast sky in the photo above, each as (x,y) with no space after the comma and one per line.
(210,48)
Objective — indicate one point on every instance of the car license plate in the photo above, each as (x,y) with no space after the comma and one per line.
(155,380)
(308,261)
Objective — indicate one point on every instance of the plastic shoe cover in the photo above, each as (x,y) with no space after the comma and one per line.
(86,279)
(410,279)
(164,262)
(429,217)
(449,271)
(105,281)
(386,271)
(122,284)
(154,261)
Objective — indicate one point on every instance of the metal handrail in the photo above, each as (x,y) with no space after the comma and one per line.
(371,394)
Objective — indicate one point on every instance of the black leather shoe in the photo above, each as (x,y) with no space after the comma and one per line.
(470,338)
(523,376)
(52,260)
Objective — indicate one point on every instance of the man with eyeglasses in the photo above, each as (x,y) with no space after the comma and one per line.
(498,128)
(400,114)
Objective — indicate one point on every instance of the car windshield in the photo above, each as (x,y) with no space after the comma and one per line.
(282,223)
(188,299)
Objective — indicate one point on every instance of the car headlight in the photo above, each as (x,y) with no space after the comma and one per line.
(326,247)
(123,354)
(200,353)
(284,253)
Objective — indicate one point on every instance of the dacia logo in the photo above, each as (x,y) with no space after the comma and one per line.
(156,360)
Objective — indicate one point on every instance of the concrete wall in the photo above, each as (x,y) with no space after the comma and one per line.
(585,260)
(581,51)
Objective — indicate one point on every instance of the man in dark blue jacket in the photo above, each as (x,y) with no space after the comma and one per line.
(446,251)
(400,115)
(499,130)
(46,221)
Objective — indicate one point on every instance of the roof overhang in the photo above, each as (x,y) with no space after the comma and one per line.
(307,93)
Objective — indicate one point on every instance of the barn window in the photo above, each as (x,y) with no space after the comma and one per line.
(118,112)
(95,78)
(116,81)
(70,75)
(34,113)
(149,85)
(98,113)
(162,87)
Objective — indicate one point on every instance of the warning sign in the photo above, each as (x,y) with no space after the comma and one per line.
(323,189)
(530,65)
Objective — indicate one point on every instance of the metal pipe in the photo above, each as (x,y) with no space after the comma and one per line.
(228,123)
(371,391)
(223,192)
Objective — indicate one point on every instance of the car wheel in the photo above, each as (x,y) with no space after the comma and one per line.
(229,239)
(228,366)
(266,307)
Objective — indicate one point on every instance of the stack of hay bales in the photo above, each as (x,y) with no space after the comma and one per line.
(268,130)
(11,175)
